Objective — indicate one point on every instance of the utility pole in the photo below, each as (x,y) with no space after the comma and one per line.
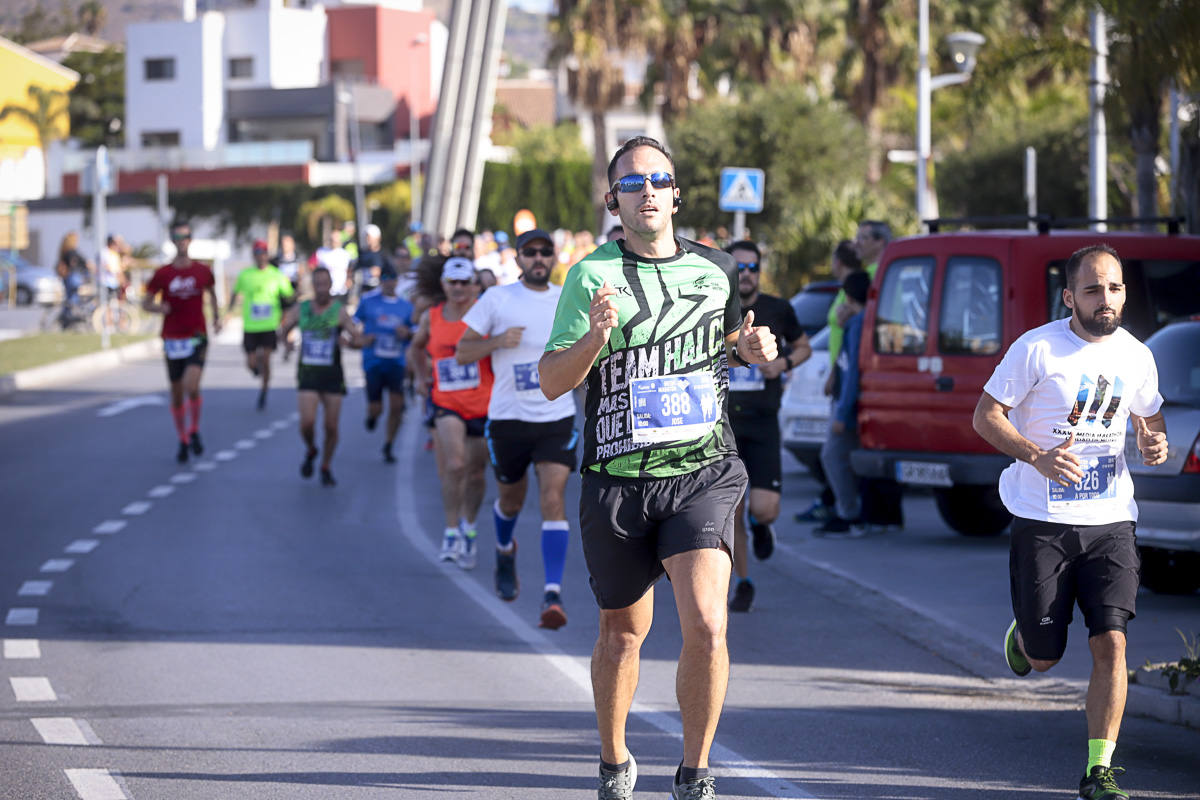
(1097,125)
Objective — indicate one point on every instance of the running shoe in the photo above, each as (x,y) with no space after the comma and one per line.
(764,540)
(181,455)
(507,584)
(1017,661)
(262,399)
(1101,784)
(817,512)
(387,453)
(327,477)
(840,528)
(449,548)
(468,553)
(703,789)
(618,785)
(197,447)
(743,596)
(371,422)
(306,469)
(554,617)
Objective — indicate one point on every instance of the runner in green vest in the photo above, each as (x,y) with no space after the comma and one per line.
(264,290)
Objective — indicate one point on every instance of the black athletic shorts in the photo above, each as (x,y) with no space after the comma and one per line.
(629,525)
(383,375)
(474,426)
(759,447)
(514,444)
(177,366)
(263,339)
(1054,566)
(326,380)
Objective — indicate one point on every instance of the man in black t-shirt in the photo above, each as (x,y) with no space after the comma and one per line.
(754,396)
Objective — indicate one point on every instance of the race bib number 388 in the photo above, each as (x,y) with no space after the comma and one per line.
(1099,482)
(673,408)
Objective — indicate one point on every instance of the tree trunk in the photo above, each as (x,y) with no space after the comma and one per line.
(600,167)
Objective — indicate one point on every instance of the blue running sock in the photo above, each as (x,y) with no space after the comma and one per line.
(555,537)
(504,527)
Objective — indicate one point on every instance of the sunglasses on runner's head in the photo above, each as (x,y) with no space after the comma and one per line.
(750,265)
(544,252)
(634,183)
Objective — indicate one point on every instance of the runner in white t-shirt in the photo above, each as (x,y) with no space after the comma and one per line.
(337,260)
(1059,403)
(523,426)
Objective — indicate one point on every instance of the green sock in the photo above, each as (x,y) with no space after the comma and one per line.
(1099,753)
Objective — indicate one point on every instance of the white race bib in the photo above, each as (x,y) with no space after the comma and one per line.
(261,311)
(179,348)
(673,408)
(455,377)
(386,346)
(316,350)
(746,379)
(526,379)
(1099,482)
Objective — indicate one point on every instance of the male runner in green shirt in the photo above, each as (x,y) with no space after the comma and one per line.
(653,323)
(264,289)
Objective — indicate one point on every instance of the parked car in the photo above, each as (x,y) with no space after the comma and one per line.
(812,303)
(804,409)
(1168,496)
(944,308)
(34,284)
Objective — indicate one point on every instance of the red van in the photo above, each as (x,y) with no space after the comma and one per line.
(943,310)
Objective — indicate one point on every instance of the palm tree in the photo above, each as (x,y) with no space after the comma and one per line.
(48,116)
(92,15)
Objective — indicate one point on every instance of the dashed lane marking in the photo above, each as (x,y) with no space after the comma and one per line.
(161,491)
(110,526)
(95,784)
(183,477)
(35,588)
(226,455)
(280,424)
(22,648)
(82,546)
(58,565)
(137,507)
(265,433)
(21,616)
(245,444)
(63,730)
(33,690)
(204,466)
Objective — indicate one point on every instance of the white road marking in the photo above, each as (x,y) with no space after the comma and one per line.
(110,526)
(61,730)
(21,616)
(280,424)
(204,466)
(226,455)
(137,507)
(245,444)
(265,433)
(130,403)
(33,690)
(161,491)
(294,416)
(82,546)
(576,669)
(58,565)
(183,477)
(35,588)
(95,784)
(22,648)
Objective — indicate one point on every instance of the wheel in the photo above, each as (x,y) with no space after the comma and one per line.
(973,510)
(24,296)
(119,320)
(1170,571)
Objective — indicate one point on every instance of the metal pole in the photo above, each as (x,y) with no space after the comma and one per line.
(451,199)
(1173,145)
(1098,127)
(924,92)
(481,128)
(443,122)
(414,163)
(100,225)
(360,203)
(1031,185)
(739,225)
(163,210)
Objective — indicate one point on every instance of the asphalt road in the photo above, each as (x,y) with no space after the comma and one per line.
(229,630)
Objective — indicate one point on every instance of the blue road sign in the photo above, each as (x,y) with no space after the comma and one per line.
(742,189)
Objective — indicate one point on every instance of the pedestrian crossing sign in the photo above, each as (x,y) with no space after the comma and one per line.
(742,189)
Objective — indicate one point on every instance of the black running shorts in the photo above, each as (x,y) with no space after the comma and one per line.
(265,340)
(382,375)
(325,380)
(514,444)
(177,366)
(475,425)
(1054,566)
(759,447)
(630,525)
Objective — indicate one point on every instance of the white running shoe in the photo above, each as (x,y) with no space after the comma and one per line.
(467,553)
(450,548)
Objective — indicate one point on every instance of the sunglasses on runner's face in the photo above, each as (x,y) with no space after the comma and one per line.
(544,252)
(457,282)
(179,237)
(634,183)
(750,265)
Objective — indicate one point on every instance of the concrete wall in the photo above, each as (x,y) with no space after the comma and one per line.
(167,105)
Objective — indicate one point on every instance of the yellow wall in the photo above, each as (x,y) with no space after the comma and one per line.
(19,70)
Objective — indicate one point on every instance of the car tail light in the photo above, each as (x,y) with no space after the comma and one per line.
(1193,460)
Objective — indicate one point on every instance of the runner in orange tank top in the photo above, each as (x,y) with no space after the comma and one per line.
(461,393)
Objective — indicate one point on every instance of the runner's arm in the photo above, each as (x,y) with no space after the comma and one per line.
(288,321)
(1151,437)
(352,329)
(800,351)
(473,346)
(417,357)
(992,423)
(215,307)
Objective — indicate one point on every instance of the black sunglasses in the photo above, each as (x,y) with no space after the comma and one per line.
(635,183)
(544,252)
(458,282)
(179,237)
(750,265)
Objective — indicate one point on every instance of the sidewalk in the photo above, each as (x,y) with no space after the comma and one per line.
(79,366)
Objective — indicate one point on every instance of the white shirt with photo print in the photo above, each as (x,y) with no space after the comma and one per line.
(1058,384)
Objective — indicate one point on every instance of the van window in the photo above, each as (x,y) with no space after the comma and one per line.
(1157,292)
(970,318)
(902,317)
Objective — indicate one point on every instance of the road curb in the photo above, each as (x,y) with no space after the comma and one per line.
(1151,697)
(71,368)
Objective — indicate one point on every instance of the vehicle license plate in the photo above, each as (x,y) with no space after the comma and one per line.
(807,428)
(923,473)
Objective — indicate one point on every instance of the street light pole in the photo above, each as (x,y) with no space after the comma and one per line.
(360,203)
(414,163)
(924,94)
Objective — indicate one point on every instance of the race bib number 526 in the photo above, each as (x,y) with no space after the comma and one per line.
(1099,482)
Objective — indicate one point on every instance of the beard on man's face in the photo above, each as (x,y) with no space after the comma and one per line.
(537,276)
(1099,323)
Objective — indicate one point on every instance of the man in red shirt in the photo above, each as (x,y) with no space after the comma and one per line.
(181,285)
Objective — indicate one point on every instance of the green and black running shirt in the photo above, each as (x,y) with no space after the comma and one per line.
(657,394)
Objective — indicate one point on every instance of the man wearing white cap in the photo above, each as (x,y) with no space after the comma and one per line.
(372,260)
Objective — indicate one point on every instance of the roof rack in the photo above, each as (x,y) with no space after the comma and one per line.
(1047,222)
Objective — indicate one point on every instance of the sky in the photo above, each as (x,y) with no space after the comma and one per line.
(536,6)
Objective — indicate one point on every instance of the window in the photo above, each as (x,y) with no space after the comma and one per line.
(970,318)
(160,69)
(160,139)
(241,67)
(902,317)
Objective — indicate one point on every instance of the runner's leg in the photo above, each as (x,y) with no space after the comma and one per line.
(450,434)
(556,535)
(616,660)
(741,541)
(1108,685)
(395,413)
(191,387)
(307,403)
(474,479)
(332,402)
(764,506)
(178,411)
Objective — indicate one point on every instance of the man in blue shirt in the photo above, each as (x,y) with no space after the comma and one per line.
(387,326)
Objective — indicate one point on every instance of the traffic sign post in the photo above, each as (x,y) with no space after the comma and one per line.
(742,192)
(101,185)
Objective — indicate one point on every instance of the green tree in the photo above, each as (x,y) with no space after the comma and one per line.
(390,207)
(98,101)
(46,114)
(91,15)
(544,143)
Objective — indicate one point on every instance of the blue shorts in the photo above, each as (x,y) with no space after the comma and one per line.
(384,375)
